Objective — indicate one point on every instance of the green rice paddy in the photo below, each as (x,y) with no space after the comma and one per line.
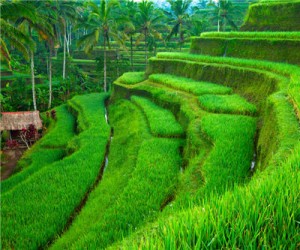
(198,152)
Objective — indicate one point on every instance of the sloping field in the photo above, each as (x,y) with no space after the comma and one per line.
(201,152)
(274,16)
(47,196)
(251,45)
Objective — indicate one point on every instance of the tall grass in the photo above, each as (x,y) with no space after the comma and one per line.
(149,186)
(230,71)
(230,159)
(232,104)
(161,121)
(189,85)
(123,153)
(43,204)
(280,68)
(263,214)
(248,34)
(248,46)
(63,130)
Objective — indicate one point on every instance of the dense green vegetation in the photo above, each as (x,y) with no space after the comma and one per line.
(110,209)
(244,45)
(161,122)
(200,150)
(49,149)
(254,35)
(132,77)
(53,193)
(189,85)
(273,16)
(232,221)
(85,47)
(231,104)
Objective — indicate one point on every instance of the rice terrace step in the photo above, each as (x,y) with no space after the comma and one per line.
(191,149)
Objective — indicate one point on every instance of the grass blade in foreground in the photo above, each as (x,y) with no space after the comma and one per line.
(151,183)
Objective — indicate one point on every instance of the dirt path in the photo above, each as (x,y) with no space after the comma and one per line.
(9,162)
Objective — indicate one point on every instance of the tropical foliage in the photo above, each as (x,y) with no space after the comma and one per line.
(49,33)
(196,147)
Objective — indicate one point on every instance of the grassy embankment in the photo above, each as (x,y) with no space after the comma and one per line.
(56,190)
(252,45)
(133,180)
(47,150)
(233,220)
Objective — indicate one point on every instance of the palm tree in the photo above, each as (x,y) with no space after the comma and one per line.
(101,24)
(223,12)
(66,11)
(48,10)
(10,35)
(179,18)
(148,21)
(129,9)
(34,22)
(200,19)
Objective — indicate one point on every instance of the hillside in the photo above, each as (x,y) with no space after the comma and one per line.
(200,151)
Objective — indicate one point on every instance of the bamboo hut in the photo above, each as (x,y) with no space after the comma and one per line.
(16,121)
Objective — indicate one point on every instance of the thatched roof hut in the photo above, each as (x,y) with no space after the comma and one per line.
(20,120)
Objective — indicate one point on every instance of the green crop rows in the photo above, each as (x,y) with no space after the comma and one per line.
(57,189)
(204,153)
(255,35)
(189,85)
(161,122)
(232,104)
(132,77)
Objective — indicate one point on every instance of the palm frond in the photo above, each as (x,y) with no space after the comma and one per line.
(139,39)
(89,41)
(16,38)
(4,53)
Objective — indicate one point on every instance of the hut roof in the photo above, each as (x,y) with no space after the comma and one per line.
(20,120)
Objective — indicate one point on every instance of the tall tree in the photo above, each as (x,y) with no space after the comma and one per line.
(66,12)
(101,24)
(179,18)
(129,9)
(223,12)
(49,10)
(10,35)
(34,22)
(148,20)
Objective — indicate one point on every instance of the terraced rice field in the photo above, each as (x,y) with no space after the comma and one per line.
(198,152)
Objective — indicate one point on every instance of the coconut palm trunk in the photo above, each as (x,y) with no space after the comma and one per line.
(131,52)
(146,49)
(104,65)
(32,75)
(65,51)
(50,81)
(33,80)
